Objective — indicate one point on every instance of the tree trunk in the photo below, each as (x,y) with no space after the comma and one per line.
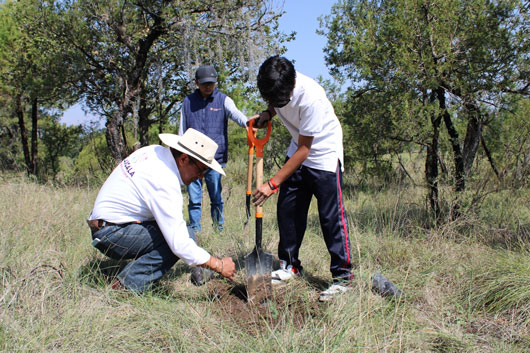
(431,166)
(114,138)
(162,122)
(473,137)
(163,118)
(132,83)
(490,158)
(19,111)
(34,134)
(460,181)
(144,123)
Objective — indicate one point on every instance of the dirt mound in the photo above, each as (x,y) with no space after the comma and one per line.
(286,305)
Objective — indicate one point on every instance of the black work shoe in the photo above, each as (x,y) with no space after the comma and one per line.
(383,286)
(200,275)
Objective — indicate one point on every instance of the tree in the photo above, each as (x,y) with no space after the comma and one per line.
(430,65)
(9,138)
(59,140)
(32,71)
(508,137)
(135,58)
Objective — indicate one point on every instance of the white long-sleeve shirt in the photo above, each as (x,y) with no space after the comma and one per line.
(146,186)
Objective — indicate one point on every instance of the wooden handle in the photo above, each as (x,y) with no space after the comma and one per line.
(259,181)
(249,173)
(249,183)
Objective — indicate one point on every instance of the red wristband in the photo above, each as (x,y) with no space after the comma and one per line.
(272,185)
(273,189)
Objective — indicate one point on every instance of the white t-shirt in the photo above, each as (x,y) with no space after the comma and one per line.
(310,113)
(146,186)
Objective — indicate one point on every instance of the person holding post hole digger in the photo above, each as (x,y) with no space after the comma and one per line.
(313,166)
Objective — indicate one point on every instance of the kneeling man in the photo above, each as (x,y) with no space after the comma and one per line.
(138,213)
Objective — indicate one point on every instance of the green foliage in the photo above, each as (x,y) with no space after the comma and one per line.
(10,149)
(66,33)
(408,62)
(60,141)
(129,63)
(33,62)
(508,137)
(34,80)
(135,62)
(94,163)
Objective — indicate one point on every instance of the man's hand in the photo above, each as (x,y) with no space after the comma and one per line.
(261,119)
(261,194)
(225,266)
(228,268)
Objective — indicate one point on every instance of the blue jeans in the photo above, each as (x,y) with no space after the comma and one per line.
(144,243)
(215,189)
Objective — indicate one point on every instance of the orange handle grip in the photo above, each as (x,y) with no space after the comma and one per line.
(250,144)
(258,143)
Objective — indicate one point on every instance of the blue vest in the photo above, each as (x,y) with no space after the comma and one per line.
(208,116)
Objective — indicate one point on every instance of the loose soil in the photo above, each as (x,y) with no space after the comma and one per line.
(284,306)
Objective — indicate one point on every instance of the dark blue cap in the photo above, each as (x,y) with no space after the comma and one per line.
(206,73)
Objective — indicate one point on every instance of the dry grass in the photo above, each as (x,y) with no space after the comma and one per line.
(466,285)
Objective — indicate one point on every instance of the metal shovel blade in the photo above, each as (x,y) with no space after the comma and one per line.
(258,263)
(259,267)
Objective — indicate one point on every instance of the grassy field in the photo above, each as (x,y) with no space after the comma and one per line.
(467,282)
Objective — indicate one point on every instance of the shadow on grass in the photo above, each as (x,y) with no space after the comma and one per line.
(99,272)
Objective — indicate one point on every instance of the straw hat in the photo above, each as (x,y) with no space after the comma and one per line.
(196,145)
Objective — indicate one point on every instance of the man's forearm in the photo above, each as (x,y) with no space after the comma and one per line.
(225,266)
(234,113)
(214,264)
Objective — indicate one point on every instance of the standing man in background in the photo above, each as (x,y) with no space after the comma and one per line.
(207,110)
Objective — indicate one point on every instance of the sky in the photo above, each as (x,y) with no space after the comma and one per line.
(300,16)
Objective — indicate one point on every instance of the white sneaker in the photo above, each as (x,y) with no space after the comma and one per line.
(284,273)
(332,291)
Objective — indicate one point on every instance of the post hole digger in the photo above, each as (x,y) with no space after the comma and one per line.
(249,172)
(258,263)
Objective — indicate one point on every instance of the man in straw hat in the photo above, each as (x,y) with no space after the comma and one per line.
(138,211)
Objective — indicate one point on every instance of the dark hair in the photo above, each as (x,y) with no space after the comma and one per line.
(276,79)
(176,153)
